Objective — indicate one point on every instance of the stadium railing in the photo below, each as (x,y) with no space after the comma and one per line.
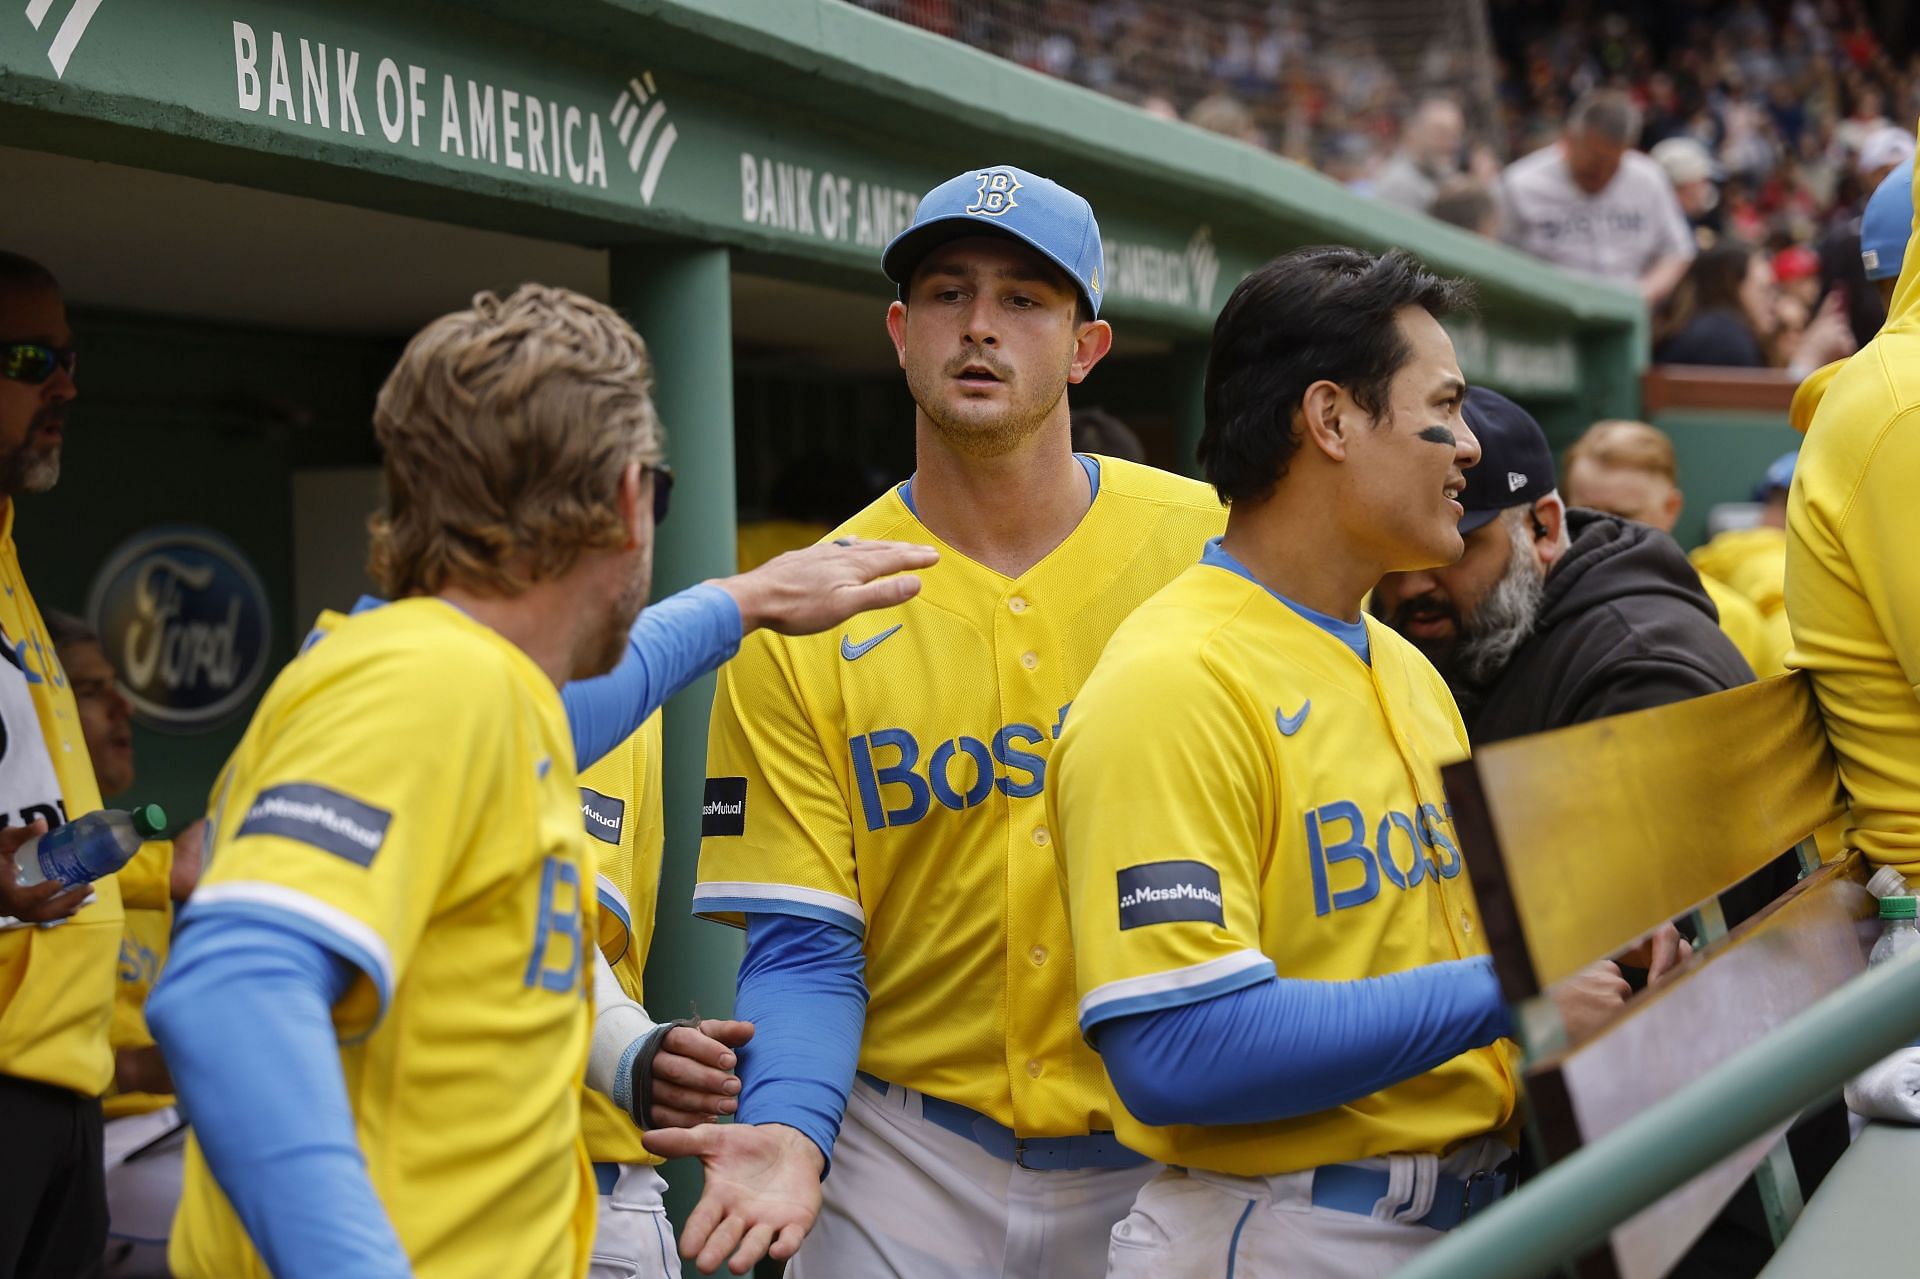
(1581,841)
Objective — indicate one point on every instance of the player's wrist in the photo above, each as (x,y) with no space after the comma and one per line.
(748,596)
(798,1145)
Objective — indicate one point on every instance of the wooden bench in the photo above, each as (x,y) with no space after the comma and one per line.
(1581,841)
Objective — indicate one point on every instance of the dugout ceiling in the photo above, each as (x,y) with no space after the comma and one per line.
(797,135)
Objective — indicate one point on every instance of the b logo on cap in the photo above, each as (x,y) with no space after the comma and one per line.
(995,196)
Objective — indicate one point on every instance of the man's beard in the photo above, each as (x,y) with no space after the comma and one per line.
(1485,642)
(610,645)
(31,470)
(1017,423)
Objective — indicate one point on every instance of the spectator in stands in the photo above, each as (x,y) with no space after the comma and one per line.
(1628,469)
(1841,272)
(145,1137)
(1554,617)
(1428,155)
(1723,312)
(1690,167)
(1468,203)
(1592,204)
(1884,229)
(1222,113)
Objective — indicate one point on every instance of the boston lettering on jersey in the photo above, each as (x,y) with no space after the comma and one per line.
(960,772)
(1424,838)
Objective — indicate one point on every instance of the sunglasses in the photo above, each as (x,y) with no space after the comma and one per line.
(34,362)
(662,489)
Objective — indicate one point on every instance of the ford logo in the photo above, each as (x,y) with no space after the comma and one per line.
(183,618)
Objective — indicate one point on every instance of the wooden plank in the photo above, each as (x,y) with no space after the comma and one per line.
(1771,968)
(1686,386)
(1607,829)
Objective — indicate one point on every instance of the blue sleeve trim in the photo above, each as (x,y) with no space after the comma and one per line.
(612,904)
(623,1075)
(803,986)
(242,1013)
(672,643)
(775,907)
(1290,1047)
(215,914)
(1133,1005)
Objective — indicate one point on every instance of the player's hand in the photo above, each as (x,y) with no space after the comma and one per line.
(1660,952)
(1590,998)
(693,1079)
(46,901)
(761,1196)
(820,587)
(188,846)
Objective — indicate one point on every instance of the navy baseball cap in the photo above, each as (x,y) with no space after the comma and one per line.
(1003,200)
(1887,223)
(1516,466)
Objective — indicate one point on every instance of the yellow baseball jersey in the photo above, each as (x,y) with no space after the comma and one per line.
(406,796)
(1238,793)
(146,895)
(1853,596)
(56,984)
(888,778)
(1765,651)
(621,809)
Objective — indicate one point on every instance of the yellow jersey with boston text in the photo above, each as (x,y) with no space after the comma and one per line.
(405,794)
(1852,591)
(621,810)
(1238,794)
(56,984)
(888,778)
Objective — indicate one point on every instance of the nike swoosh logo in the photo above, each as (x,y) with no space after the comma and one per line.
(854,652)
(1290,724)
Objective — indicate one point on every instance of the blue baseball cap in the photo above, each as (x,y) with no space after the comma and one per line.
(1003,200)
(1515,467)
(1887,223)
(1779,476)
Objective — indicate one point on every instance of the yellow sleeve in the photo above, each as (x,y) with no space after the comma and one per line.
(336,821)
(143,946)
(1158,791)
(1880,528)
(776,837)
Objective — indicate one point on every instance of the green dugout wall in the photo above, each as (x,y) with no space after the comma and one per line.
(253,202)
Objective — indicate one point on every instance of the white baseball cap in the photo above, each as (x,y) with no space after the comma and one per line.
(1885,148)
(1685,160)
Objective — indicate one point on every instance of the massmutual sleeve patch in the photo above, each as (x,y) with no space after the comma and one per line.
(603,815)
(1170,892)
(724,811)
(322,818)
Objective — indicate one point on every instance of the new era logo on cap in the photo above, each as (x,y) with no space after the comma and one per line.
(1515,481)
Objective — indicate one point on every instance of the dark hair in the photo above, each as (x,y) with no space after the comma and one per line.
(1317,314)
(1609,113)
(1712,283)
(1098,431)
(64,629)
(19,272)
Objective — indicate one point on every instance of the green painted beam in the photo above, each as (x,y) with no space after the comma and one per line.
(678,299)
(1573,1205)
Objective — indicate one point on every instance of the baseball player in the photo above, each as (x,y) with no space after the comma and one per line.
(375,1010)
(874,811)
(1277,952)
(1852,598)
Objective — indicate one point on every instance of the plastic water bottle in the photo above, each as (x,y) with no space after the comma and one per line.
(1899,932)
(100,844)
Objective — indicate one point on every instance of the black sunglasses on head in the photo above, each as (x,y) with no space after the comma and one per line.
(662,489)
(34,362)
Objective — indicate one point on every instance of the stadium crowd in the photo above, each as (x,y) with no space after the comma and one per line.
(1771,122)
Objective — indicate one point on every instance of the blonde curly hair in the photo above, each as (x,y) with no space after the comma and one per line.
(506,428)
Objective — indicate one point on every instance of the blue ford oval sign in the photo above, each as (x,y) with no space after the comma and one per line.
(183,618)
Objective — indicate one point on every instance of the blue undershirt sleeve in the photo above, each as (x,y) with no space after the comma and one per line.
(672,643)
(803,986)
(1290,1047)
(243,1014)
